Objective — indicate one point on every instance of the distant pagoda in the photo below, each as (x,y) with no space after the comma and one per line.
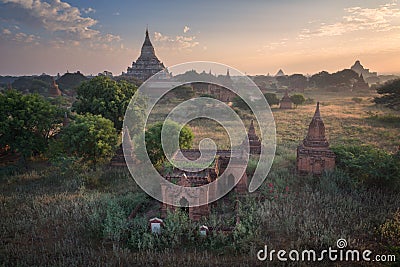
(286,102)
(54,91)
(147,64)
(313,155)
(253,140)
(280,73)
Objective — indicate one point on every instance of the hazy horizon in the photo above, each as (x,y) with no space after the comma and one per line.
(255,37)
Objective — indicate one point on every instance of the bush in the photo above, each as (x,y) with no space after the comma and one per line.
(271,98)
(370,166)
(184,92)
(298,99)
(386,118)
(391,228)
(309,101)
(251,166)
(239,103)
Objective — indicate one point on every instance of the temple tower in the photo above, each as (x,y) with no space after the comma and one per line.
(54,91)
(147,64)
(286,102)
(254,140)
(314,155)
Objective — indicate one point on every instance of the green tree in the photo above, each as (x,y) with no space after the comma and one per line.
(90,137)
(297,99)
(298,81)
(370,166)
(238,102)
(271,98)
(154,147)
(104,96)
(27,122)
(184,92)
(390,94)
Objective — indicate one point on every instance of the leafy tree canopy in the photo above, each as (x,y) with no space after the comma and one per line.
(298,81)
(298,99)
(70,81)
(33,84)
(184,92)
(238,102)
(104,96)
(90,137)
(343,78)
(390,94)
(27,122)
(154,147)
(271,98)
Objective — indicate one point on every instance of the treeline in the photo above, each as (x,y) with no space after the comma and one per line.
(342,80)
(67,83)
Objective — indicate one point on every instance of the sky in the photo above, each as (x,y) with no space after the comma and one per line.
(255,37)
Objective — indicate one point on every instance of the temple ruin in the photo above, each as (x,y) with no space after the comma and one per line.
(313,154)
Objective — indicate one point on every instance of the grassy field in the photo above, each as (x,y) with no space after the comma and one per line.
(70,216)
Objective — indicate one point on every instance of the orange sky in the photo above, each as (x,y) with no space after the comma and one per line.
(255,37)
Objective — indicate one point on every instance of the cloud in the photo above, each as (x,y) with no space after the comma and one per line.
(88,10)
(178,42)
(186,29)
(116,14)
(275,45)
(20,37)
(159,37)
(57,17)
(6,31)
(380,19)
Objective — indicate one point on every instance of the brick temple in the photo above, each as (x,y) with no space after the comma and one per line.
(147,64)
(286,102)
(54,91)
(313,154)
(253,139)
(195,177)
(218,89)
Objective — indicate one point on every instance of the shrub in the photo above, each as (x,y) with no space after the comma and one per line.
(298,99)
(239,103)
(391,228)
(251,166)
(271,98)
(309,101)
(386,118)
(372,167)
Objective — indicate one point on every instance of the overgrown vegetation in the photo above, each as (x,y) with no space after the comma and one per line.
(104,96)
(27,122)
(68,214)
(390,94)
(69,224)
(370,166)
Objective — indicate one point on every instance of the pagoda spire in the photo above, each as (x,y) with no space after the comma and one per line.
(251,131)
(54,91)
(316,131)
(147,41)
(147,63)
(317,114)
